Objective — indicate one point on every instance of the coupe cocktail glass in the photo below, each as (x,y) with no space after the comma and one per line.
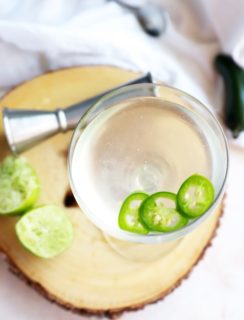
(149,138)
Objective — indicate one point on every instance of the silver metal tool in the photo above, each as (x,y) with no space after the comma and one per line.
(25,128)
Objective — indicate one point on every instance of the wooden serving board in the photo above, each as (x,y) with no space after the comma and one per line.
(91,276)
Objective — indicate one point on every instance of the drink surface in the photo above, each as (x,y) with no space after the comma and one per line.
(142,144)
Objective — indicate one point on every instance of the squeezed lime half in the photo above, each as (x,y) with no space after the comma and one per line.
(45,231)
(19,186)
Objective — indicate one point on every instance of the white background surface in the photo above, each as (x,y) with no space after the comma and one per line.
(36,36)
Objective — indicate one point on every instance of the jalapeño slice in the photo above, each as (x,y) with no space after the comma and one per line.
(129,213)
(195,196)
(159,213)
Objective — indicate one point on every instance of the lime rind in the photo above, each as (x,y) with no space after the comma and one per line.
(19,186)
(45,231)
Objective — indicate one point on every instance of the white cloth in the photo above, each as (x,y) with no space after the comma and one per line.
(36,36)
(227,20)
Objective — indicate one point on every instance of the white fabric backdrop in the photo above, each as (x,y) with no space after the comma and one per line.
(36,36)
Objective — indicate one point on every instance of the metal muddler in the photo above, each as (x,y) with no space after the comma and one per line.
(26,128)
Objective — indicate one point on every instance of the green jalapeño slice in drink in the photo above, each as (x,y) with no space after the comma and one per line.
(195,196)
(159,213)
(129,213)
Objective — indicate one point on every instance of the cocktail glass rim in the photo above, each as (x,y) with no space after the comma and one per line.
(151,237)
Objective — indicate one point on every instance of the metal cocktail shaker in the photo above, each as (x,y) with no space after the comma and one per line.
(26,128)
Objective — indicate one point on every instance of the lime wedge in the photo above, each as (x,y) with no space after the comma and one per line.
(19,186)
(45,231)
